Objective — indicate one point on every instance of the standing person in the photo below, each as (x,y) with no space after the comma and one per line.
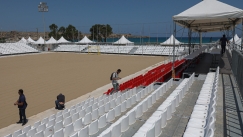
(223,42)
(60,102)
(114,78)
(21,102)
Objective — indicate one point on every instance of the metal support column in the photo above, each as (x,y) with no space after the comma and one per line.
(200,35)
(189,39)
(234,35)
(241,34)
(173,66)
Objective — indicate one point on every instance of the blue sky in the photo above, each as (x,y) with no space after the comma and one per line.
(125,16)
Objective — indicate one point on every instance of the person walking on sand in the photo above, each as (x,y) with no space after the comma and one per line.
(22,104)
(223,42)
(114,77)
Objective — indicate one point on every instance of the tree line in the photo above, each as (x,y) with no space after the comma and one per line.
(98,32)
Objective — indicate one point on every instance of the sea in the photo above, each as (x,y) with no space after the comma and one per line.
(155,40)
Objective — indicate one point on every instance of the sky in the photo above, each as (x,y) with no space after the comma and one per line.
(138,17)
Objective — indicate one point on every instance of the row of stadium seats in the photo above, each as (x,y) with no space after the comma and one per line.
(158,50)
(160,74)
(15,48)
(70,48)
(153,126)
(122,124)
(203,118)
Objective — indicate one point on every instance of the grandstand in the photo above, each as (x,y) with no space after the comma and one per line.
(15,48)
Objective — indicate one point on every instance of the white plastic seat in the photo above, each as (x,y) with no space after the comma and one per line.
(26,129)
(59,133)
(85,105)
(128,103)
(102,121)
(116,130)
(37,124)
(123,97)
(72,111)
(9,135)
(74,135)
(118,100)
(58,126)
(110,116)
(22,135)
(39,134)
(68,130)
(153,98)
(59,118)
(123,106)
(112,104)
(132,117)
(67,121)
(118,110)
(75,116)
(124,123)
(41,127)
(139,111)
(84,132)
(149,100)
(45,120)
(95,114)
(93,127)
(101,110)
(107,107)
(145,105)
(133,99)
(127,95)
(31,132)
(82,113)
(53,116)
(87,119)
(65,115)
(138,96)
(94,106)
(78,124)
(101,103)
(49,131)
(88,109)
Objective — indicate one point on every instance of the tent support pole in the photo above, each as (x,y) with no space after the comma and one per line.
(241,34)
(189,39)
(200,35)
(234,35)
(173,66)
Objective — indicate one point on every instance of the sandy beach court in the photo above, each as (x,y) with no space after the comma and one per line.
(44,76)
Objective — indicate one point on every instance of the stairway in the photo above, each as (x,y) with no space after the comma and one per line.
(133,50)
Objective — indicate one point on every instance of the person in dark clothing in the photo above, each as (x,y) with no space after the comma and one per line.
(21,102)
(223,42)
(60,102)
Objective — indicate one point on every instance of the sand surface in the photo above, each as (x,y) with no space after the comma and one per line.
(43,76)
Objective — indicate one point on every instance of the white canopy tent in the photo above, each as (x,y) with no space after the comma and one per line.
(30,40)
(40,41)
(170,41)
(208,15)
(236,38)
(123,41)
(23,40)
(62,40)
(51,41)
(85,40)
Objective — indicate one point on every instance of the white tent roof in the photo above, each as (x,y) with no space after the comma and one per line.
(62,40)
(170,41)
(235,37)
(23,40)
(209,15)
(238,42)
(30,40)
(85,40)
(40,41)
(123,40)
(51,41)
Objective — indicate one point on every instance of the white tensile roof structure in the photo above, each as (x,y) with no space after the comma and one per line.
(40,41)
(51,41)
(209,15)
(85,40)
(170,41)
(235,37)
(238,42)
(62,40)
(30,40)
(23,40)
(123,41)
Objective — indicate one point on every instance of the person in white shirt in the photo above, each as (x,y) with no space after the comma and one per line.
(114,78)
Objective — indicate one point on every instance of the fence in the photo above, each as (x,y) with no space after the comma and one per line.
(237,68)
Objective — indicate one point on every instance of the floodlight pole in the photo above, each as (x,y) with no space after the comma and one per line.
(44,27)
(42,7)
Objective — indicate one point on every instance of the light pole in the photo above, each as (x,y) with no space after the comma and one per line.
(42,7)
